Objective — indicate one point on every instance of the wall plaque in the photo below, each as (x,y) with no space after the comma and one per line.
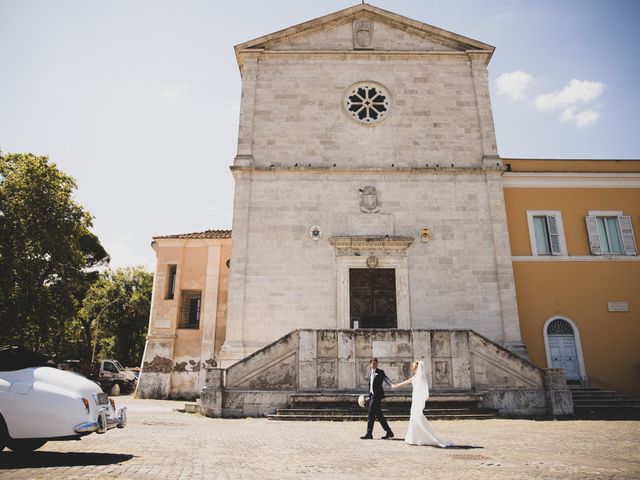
(618,306)
(162,323)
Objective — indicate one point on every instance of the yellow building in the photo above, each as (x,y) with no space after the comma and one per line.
(573,228)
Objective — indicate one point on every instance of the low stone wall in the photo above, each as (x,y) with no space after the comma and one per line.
(338,361)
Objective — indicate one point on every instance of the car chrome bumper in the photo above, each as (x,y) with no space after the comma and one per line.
(104,422)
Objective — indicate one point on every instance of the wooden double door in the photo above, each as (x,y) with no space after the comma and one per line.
(372,297)
(564,355)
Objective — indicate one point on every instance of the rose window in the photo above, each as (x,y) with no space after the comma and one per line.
(367,103)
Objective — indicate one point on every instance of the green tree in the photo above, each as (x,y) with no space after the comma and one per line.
(47,253)
(115,312)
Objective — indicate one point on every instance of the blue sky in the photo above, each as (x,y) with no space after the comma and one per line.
(138,100)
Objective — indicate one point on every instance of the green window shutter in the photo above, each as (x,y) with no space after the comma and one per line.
(554,236)
(628,240)
(594,238)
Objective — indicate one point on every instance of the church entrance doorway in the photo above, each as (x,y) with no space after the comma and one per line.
(372,298)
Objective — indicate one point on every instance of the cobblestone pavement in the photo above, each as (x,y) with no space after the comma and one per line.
(161,443)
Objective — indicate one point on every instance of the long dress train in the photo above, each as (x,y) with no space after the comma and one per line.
(419,431)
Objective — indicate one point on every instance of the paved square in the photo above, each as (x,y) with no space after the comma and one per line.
(160,443)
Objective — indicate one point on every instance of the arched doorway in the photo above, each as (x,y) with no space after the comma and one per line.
(562,342)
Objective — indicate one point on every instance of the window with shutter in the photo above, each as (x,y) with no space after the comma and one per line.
(594,237)
(628,240)
(554,236)
(546,233)
(610,233)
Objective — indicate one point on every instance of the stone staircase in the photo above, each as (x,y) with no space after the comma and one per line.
(344,407)
(598,404)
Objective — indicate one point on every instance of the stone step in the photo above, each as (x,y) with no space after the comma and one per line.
(402,397)
(580,388)
(347,400)
(600,404)
(599,412)
(390,417)
(605,402)
(192,407)
(428,412)
(594,393)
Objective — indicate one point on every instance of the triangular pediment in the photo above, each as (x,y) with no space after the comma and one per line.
(383,32)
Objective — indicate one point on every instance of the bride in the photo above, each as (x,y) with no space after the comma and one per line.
(419,432)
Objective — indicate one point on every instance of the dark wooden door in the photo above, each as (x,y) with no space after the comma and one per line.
(372,296)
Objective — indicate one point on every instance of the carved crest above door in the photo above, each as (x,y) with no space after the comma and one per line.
(369,201)
(362,34)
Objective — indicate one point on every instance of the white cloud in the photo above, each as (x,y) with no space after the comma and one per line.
(175,92)
(567,99)
(575,92)
(513,84)
(581,119)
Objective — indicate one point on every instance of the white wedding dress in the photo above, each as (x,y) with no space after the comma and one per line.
(419,431)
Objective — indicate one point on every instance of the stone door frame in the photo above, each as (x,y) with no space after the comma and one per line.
(389,252)
(399,264)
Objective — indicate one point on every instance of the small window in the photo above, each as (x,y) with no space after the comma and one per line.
(190,309)
(546,233)
(610,233)
(171,282)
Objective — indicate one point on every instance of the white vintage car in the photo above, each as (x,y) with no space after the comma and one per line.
(41,403)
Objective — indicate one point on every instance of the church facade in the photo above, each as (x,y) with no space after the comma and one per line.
(369,194)
(367,184)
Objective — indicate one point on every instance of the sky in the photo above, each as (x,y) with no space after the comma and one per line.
(138,100)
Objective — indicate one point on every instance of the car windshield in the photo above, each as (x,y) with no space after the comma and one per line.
(118,366)
(17,358)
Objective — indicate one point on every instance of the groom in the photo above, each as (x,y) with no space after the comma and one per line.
(376,394)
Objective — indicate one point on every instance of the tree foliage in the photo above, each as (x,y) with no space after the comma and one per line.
(47,253)
(115,312)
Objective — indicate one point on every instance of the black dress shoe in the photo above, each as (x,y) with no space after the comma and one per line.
(368,436)
(388,435)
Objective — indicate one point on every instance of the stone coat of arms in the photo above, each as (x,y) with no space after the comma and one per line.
(362,34)
(369,202)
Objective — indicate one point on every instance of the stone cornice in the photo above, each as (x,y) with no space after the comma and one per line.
(447,38)
(404,23)
(369,53)
(324,170)
(571,180)
(371,243)
(189,242)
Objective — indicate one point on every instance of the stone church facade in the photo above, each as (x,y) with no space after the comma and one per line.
(367,138)
(368,195)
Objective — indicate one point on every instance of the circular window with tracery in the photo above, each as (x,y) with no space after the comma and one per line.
(367,102)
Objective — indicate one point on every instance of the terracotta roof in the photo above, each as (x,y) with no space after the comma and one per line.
(221,234)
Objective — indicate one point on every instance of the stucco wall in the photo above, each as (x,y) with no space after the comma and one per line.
(174,358)
(578,287)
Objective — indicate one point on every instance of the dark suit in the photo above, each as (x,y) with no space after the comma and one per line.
(376,394)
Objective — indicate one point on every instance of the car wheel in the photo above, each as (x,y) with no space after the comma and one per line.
(115,390)
(25,446)
(4,434)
